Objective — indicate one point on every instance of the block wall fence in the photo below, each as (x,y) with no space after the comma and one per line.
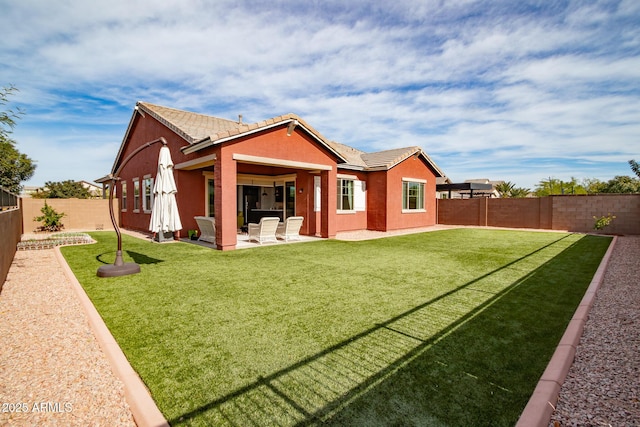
(80,214)
(10,233)
(567,213)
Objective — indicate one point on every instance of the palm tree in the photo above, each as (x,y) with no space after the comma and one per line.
(505,188)
(635,167)
(520,192)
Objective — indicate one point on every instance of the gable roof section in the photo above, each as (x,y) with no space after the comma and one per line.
(193,127)
(380,160)
(201,131)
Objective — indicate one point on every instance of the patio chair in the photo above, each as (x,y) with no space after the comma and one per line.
(207,226)
(265,230)
(290,229)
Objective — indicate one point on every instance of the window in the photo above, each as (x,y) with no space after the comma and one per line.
(412,195)
(345,194)
(136,194)
(211,197)
(147,193)
(124,195)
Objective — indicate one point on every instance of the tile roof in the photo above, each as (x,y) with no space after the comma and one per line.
(388,158)
(193,127)
(202,130)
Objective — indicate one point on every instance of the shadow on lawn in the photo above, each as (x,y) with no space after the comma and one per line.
(137,257)
(337,382)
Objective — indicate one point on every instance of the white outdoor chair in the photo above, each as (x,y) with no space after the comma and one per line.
(207,226)
(265,230)
(290,229)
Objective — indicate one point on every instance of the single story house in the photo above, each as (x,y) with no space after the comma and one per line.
(239,172)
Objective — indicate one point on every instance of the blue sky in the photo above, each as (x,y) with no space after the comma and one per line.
(516,91)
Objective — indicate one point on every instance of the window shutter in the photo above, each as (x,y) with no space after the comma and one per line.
(359,196)
(317,194)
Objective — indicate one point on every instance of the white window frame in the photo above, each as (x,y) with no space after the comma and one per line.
(406,182)
(136,194)
(123,188)
(340,185)
(147,193)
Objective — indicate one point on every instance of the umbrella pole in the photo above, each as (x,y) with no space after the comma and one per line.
(119,267)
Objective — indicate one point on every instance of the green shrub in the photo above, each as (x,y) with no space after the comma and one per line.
(50,219)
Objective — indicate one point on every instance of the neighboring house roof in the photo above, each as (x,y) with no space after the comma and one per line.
(201,131)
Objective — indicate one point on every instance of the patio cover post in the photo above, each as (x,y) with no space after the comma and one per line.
(328,179)
(226,200)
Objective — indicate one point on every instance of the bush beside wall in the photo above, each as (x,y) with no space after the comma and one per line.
(80,214)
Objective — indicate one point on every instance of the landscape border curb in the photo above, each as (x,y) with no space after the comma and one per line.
(542,403)
(144,410)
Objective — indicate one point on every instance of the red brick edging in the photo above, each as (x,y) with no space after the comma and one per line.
(144,409)
(542,403)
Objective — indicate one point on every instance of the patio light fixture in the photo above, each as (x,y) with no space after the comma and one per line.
(119,267)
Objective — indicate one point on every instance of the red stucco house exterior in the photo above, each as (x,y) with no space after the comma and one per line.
(238,172)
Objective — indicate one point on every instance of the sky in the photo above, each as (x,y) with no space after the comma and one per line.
(520,91)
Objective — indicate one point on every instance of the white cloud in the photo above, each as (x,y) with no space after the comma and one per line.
(483,86)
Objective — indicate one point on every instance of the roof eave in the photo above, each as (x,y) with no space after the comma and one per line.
(351,167)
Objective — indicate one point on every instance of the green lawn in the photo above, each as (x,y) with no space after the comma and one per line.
(450,328)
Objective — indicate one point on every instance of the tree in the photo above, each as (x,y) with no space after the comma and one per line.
(519,192)
(635,167)
(505,188)
(509,190)
(15,167)
(50,219)
(592,185)
(63,190)
(555,186)
(621,185)
(8,117)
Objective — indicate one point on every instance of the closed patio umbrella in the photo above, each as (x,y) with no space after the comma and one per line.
(164,213)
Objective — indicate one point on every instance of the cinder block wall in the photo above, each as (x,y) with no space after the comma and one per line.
(459,211)
(515,213)
(10,232)
(575,213)
(571,213)
(80,214)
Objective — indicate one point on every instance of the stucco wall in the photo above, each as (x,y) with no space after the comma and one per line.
(386,208)
(572,213)
(10,230)
(80,214)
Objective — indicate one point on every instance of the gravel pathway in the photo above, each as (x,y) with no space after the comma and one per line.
(603,384)
(52,370)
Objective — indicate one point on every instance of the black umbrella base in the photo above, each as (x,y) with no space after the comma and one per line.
(112,270)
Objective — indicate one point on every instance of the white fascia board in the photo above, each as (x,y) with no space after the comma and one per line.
(259,160)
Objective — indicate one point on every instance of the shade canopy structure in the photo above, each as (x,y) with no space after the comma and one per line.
(473,188)
(165,218)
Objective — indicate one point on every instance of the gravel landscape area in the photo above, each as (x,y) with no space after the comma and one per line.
(52,370)
(603,384)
